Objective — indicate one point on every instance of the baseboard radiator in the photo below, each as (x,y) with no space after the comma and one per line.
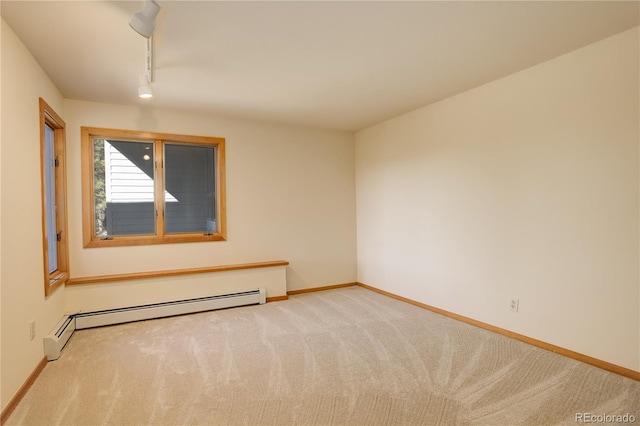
(55,341)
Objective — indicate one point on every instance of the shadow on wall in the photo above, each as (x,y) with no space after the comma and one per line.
(295,281)
(147,120)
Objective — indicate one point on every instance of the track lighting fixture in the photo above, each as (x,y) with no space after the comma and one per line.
(144,22)
(144,90)
(145,79)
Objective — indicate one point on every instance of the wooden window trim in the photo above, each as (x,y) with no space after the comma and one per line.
(88,214)
(59,277)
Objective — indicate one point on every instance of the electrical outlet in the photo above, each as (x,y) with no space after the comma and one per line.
(515,303)
(32,330)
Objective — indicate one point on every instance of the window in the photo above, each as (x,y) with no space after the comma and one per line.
(151,188)
(54,195)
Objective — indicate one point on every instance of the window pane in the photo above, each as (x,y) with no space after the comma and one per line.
(50,198)
(124,188)
(190,188)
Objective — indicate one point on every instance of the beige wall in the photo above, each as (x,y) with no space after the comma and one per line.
(525,187)
(22,275)
(2,403)
(290,195)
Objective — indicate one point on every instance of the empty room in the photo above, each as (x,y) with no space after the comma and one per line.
(319,212)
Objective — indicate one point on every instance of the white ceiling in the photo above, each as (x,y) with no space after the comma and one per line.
(331,64)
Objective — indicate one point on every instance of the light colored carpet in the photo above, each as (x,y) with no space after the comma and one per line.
(345,356)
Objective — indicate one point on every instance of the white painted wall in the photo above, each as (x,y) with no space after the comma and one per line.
(21,264)
(2,404)
(290,196)
(525,187)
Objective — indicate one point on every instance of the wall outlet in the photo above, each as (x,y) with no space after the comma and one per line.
(515,303)
(32,330)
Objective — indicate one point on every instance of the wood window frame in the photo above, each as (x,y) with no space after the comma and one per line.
(57,278)
(88,134)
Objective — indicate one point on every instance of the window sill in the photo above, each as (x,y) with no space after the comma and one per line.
(142,240)
(56,280)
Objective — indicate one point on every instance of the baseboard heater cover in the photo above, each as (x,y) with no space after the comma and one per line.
(55,341)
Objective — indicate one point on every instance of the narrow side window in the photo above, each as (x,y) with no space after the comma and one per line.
(54,199)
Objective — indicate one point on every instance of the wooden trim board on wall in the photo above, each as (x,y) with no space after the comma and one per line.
(277,298)
(22,391)
(173,272)
(314,289)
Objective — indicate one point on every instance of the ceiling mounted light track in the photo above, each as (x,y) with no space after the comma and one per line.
(144,22)
(144,89)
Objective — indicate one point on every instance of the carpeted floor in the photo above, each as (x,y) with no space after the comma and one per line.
(345,356)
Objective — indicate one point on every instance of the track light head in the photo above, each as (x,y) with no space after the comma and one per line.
(144,90)
(144,22)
